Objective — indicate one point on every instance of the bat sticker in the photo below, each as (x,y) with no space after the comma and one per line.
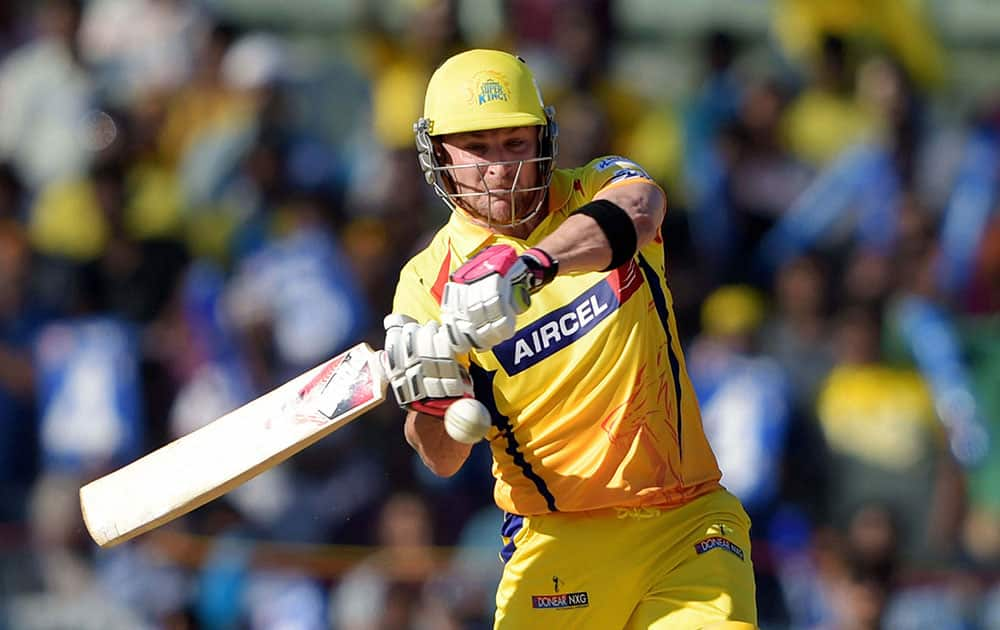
(345,384)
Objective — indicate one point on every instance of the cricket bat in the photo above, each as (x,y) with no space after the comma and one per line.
(205,464)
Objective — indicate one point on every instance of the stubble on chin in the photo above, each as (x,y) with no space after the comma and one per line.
(499,211)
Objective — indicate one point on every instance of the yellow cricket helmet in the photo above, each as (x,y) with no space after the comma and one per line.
(482,89)
(479,90)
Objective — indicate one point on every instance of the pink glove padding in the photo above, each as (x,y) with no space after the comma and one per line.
(495,259)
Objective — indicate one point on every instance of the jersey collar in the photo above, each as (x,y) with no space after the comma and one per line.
(468,237)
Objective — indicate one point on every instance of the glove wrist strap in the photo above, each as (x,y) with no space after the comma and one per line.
(542,268)
(432,406)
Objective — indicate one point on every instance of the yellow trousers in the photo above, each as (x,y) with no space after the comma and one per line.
(630,568)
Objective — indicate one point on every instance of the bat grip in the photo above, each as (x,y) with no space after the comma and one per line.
(380,368)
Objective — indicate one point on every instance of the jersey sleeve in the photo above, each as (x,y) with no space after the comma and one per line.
(614,170)
(608,171)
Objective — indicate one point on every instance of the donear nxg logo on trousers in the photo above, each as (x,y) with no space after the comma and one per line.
(560,600)
(718,542)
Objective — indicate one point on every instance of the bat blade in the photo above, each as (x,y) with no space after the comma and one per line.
(207,463)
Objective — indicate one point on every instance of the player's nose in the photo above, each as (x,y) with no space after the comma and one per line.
(503,169)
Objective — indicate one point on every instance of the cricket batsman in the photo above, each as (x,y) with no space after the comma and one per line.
(544,297)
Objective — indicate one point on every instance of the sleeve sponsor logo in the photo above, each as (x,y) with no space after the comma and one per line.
(614,159)
(628,173)
(561,600)
(718,542)
(625,168)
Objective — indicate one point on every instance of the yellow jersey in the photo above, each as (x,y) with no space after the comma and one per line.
(590,399)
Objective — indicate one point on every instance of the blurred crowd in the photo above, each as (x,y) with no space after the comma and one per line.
(197,204)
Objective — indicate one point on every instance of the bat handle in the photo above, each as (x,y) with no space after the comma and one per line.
(380,363)
(380,369)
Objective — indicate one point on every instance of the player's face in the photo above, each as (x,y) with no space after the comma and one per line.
(493,165)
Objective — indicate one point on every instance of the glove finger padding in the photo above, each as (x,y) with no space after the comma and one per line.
(408,344)
(478,315)
(421,366)
(399,357)
(393,320)
(395,356)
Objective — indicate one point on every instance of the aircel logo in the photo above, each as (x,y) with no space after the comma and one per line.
(561,600)
(556,330)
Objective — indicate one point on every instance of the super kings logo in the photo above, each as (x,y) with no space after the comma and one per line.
(561,600)
(491,91)
(487,87)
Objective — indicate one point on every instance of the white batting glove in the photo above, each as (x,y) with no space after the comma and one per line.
(421,366)
(480,305)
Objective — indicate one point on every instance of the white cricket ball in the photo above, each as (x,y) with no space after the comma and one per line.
(467,420)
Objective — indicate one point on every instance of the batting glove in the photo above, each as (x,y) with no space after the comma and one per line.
(421,366)
(481,303)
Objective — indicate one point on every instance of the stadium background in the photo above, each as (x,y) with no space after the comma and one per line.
(200,199)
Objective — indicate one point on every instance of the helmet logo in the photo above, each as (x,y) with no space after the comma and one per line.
(488,87)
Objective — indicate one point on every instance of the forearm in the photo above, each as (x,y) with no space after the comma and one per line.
(580,244)
(441,454)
